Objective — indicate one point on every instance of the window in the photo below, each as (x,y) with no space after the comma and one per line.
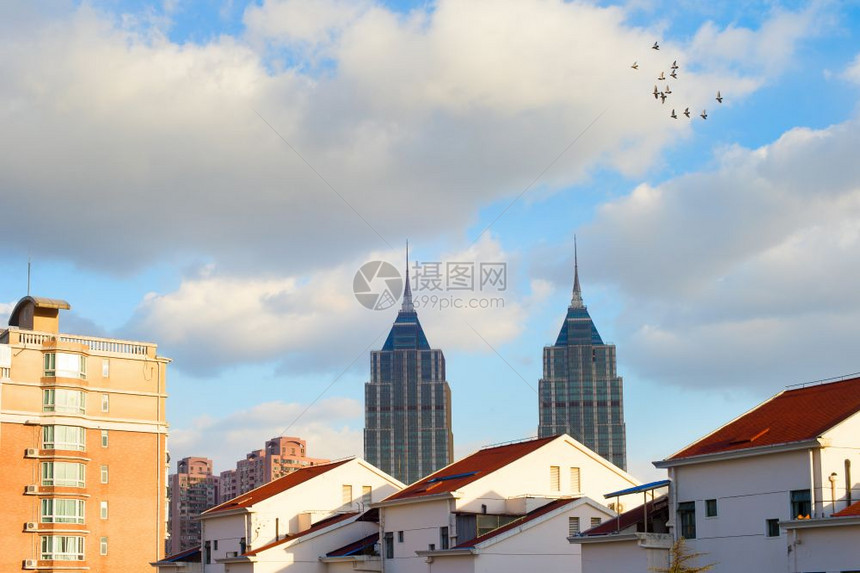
(389,545)
(687,519)
(399,537)
(104,438)
(346,494)
(63,400)
(103,546)
(64,365)
(772,528)
(554,478)
(207,552)
(366,495)
(800,503)
(215,545)
(243,545)
(62,511)
(105,367)
(710,508)
(595,521)
(63,474)
(443,538)
(62,548)
(104,474)
(574,480)
(572,526)
(64,438)
(103,510)
(105,403)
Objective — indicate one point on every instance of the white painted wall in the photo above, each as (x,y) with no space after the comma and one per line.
(830,549)
(616,557)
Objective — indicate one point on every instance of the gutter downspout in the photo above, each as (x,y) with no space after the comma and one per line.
(812,481)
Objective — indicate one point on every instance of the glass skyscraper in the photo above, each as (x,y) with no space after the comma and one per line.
(407,403)
(580,392)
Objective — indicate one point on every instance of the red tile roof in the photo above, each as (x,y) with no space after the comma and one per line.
(631,518)
(530,516)
(275,487)
(469,469)
(852,510)
(355,547)
(315,527)
(790,416)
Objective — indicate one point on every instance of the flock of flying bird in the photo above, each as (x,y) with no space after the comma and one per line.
(663,94)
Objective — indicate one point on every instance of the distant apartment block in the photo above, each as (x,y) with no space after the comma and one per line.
(82,439)
(281,456)
(193,490)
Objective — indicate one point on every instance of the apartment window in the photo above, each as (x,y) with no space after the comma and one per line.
(574,480)
(103,510)
(346,494)
(572,526)
(104,474)
(710,508)
(801,503)
(105,403)
(389,545)
(443,538)
(207,552)
(62,548)
(554,478)
(595,521)
(62,511)
(63,400)
(772,528)
(366,495)
(63,474)
(687,519)
(105,368)
(104,438)
(399,537)
(215,545)
(64,365)
(103,546)
(64,438)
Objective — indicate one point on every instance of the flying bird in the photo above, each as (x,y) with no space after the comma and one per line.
(675,65)
(667,90)
(663,97)
(662,76)
(635,65)
(704,114)
(687,111)
(719,98)
(656,92)
(673,116)
(656,46)
(674,75)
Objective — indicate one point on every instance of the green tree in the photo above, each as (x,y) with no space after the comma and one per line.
(680,560)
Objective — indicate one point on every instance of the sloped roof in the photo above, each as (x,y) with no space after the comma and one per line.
(406,333)
(790,416)
(275,487)
(530,516)
(188,556)
(631,518)
(355,547)
(329,521)
(852,510)
(587,333)
(469,469)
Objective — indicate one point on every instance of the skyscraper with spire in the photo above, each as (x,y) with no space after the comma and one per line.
(407,403)
(580,392)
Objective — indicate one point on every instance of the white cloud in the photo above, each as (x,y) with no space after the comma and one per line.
(744,274)
(416,120)
(332,429)
(852,72)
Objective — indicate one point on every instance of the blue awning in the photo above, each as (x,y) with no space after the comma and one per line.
(639,488)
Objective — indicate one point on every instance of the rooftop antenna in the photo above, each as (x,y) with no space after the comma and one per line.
(29,264)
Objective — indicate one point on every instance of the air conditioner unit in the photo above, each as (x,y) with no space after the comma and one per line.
(30,564)
(31,453)
(31,526)
(32,489)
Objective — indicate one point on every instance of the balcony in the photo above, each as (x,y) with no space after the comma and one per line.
(106,346)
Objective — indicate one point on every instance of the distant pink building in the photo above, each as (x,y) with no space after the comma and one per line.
(193,490)
(281,456)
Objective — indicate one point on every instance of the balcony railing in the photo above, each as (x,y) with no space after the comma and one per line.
(102,345)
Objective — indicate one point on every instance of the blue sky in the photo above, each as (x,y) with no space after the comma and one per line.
(209,176)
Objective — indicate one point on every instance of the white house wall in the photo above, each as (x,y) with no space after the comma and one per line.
(826,549)
(842,444)
(420,523)
(615,557)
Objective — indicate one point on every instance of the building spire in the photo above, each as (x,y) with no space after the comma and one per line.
(576,298)
(407,290)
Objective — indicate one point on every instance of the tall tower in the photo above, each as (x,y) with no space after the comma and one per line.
(580,392)
(407,403)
